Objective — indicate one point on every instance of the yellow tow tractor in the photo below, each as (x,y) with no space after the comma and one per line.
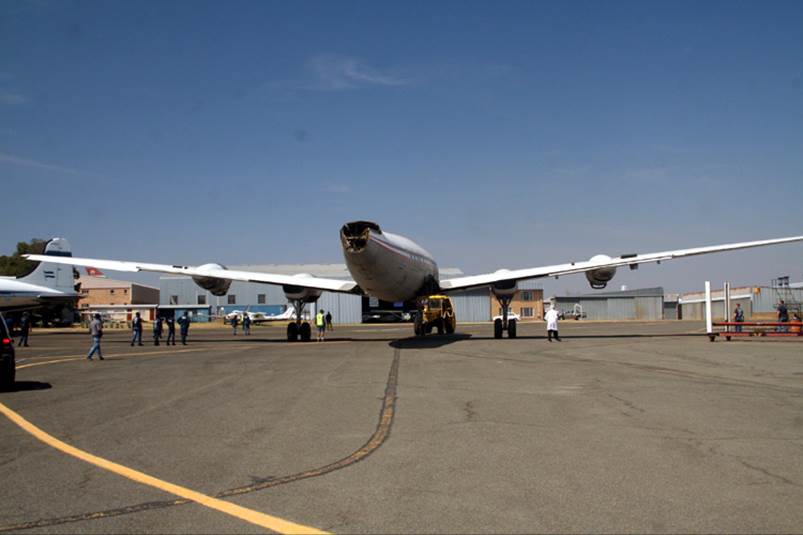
(435,311)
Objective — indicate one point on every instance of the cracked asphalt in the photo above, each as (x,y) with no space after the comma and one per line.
(622,427)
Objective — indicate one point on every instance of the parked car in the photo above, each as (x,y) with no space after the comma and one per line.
(8,362)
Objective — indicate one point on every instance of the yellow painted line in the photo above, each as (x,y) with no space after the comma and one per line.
(249,515)
(135,354)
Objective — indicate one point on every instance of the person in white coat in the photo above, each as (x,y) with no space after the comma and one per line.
(551,318)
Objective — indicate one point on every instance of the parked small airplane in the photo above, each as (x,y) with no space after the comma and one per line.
(50,284)
(394,268)
(261,317)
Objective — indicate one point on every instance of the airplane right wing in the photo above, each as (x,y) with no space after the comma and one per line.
(214,271)
(598,263)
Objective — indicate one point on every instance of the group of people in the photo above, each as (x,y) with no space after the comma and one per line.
(235,321)
(96,332)
(783,317)
(158,329)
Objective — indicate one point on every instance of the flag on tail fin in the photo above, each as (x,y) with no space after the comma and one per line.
(94,272)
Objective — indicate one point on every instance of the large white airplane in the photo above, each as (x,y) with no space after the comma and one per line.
(394,268)
(48,284)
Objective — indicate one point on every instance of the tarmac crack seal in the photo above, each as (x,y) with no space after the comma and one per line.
(380,435)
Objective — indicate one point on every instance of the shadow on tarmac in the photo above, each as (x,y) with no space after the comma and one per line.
(24,386)
(428,342)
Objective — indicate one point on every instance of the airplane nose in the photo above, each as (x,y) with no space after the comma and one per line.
(354,236)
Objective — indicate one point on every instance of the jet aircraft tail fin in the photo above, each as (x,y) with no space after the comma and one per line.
(56,276)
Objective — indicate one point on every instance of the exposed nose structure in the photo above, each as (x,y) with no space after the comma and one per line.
(354,236)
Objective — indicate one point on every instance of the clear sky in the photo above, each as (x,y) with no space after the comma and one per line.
(494,134)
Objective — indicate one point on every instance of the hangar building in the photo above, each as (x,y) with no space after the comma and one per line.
(646,304)
(758,302)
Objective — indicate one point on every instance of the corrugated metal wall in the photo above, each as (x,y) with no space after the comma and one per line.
(472,305)
(345,308)
(648,308)
(767,298)
(696,311)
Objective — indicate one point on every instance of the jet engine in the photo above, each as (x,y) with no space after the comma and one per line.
(214,285)
(599,278)
(504,288)
(301,293)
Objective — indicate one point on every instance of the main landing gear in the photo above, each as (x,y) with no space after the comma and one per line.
(299,329)
(504,324)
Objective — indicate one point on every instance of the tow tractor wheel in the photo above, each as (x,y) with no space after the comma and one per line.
(440,326)
(497,328)
(305,332)
(450,323)
(292,332)
(511,328)
(418,327)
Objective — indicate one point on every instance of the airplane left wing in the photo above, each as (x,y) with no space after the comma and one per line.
(596,263)
(214,271)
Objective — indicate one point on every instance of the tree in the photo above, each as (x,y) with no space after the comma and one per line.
(16,266)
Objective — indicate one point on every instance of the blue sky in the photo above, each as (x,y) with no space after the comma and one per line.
(495,134)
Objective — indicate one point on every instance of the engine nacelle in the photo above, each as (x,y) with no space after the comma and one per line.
(504,288)
(599,278)
(307,295)
(213,285)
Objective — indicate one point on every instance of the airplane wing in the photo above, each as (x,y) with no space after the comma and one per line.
(631,260)
(211,270)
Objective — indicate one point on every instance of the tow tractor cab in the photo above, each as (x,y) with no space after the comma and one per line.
(7,362)
(435,311)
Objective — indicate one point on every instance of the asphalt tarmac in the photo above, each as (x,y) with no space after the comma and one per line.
(622,427)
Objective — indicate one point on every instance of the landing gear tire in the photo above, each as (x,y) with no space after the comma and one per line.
(497,328)
(292,332)
(305,332)
(511,328)
(450,326)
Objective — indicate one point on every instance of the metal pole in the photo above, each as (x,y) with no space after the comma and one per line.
(727,296)
(708,327)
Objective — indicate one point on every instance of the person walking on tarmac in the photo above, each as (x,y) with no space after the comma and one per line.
(184,323)
(320,323)
(157,330)
(738,317)
(136,329)
(551,318)
(246,324)
(96,331)
(171,330)
(328,318)
(234,321)
(25,329)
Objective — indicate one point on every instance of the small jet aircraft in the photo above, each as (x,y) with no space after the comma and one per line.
(50,284)
(394,268)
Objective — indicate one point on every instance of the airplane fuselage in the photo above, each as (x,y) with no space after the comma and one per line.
(385,265)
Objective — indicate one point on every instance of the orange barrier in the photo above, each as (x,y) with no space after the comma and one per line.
(790,328)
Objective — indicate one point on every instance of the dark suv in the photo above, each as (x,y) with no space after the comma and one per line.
(7,362)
